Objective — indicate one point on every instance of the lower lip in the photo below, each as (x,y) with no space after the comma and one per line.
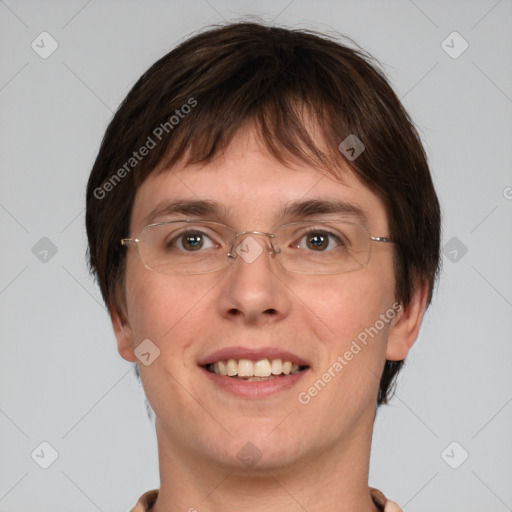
(255,389)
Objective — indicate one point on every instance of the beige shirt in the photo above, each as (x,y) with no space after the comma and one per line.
(148,499)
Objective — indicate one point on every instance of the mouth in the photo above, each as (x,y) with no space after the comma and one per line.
(258,370)
(254,373)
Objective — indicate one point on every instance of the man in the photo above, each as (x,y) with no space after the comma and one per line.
(265,233)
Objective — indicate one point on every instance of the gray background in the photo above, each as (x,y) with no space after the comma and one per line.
(61,379)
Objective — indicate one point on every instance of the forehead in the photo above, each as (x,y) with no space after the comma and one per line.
(246,186)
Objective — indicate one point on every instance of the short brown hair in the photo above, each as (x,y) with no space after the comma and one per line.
(274,78)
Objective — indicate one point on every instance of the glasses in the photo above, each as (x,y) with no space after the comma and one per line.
(185,247)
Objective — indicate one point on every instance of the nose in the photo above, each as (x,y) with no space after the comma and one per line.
(253,291)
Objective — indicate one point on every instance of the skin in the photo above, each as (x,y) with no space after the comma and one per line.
(200,428)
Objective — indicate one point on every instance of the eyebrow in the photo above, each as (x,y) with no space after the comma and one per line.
(192,207)
(300,208)
(310,207)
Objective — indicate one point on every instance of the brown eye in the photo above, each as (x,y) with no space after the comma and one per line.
(192,241)
(318,241)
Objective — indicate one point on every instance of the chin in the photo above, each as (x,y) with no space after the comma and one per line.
(255,450)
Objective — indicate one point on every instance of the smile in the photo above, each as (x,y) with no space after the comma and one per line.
(254,373)
(254,370)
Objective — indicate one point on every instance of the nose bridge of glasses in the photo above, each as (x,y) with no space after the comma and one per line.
(240,237)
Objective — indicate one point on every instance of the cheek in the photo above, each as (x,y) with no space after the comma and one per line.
(150,300)
(347,304)
(347,310)
(345,383)
(169,310)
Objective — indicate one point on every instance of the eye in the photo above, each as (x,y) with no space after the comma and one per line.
(320,241)
(190,241)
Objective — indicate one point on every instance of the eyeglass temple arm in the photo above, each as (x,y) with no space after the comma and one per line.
(128,241)
(382,239)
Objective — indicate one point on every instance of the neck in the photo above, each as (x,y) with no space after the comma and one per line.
(335,480)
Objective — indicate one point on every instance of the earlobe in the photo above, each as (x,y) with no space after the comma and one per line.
(405,328)
(123,333)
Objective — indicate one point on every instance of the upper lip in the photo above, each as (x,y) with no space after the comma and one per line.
(252,354)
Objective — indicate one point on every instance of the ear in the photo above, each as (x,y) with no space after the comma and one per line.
(406,325)
(123,333)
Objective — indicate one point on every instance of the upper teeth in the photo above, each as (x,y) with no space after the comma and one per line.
(259,368)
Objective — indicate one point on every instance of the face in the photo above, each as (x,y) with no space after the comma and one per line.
(256,311)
